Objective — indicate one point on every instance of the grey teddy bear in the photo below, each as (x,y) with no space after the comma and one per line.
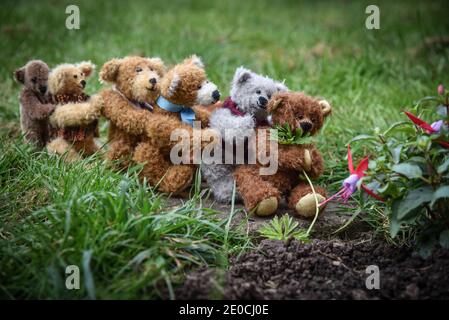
(242,111)
(35,104)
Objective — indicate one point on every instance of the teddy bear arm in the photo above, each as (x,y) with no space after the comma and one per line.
(161,127)
(74,114)
(291,157)
(317,163)
(123,116)
(35,109)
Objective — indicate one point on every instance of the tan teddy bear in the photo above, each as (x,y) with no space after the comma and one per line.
(129,104)
(140,127)
(262,193)
(74,123)
(183,87)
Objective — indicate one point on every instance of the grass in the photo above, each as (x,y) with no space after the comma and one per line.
(119,232)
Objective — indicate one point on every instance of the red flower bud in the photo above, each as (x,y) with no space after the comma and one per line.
(440,90)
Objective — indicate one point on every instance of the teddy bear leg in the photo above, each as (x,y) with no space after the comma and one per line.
(60,146)
(257,194)
(302,199)
(220,180)
(121,150)
(87,147)
(283,181)
(160,172)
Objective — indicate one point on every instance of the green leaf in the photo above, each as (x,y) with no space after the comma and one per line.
(396,153)
(443,167)
(411,171)
(442,192)
(396,127)
(414,199)
(362,137)
(444,239)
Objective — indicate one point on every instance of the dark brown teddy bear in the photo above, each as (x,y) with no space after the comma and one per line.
(35,105)
(263,192)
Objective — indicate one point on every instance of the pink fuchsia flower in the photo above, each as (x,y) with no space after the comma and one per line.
(440,90)
(429,128)
(350,183)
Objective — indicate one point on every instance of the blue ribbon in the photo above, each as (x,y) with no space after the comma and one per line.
(187,114)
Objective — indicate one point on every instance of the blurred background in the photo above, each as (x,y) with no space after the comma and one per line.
(321,47)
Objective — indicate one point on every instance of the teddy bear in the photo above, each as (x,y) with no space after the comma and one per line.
(128,105)
(35,105)
(240,113)
(262,193)
(74,123)
(183,87)
(145,106)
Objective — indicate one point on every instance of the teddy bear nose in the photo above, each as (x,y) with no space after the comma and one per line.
(263,101)
(83,83)
(153,81)
(306,126)
(216,95)
(43,89)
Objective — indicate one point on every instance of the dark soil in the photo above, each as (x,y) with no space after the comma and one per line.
(323,270)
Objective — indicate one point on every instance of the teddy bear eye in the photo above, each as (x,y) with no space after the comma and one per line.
(300,116)
(258,91)
(138,69)
(75,76)
(34,80)
(151,69)
(199,87)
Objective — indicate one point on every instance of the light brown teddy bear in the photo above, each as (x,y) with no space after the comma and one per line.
(139,127)
(262,193)
(74,123)
(183,87)
(129,104)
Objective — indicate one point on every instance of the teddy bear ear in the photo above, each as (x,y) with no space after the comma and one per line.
(19,75)
(174,83)
(159,64)
(274,103)
(109,71)
(325,107)
(86,67)
(281,87)
(194,59)
(242,75)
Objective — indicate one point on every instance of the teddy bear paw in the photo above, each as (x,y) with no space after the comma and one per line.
(306,206)
(267,207)
(307,166)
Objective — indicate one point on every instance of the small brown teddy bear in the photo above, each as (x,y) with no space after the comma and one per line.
(35,105)
(75,120)
(129,104)
(183,87)
(263,192)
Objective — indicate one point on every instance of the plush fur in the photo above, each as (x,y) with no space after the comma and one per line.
(35,105)
(251,93)
(298,110)
(136,81)
(185,84)
(138,135)
(74,122)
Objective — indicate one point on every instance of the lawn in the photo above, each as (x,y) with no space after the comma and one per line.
(126,239)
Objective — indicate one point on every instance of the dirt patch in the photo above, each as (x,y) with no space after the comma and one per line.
(323,270)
